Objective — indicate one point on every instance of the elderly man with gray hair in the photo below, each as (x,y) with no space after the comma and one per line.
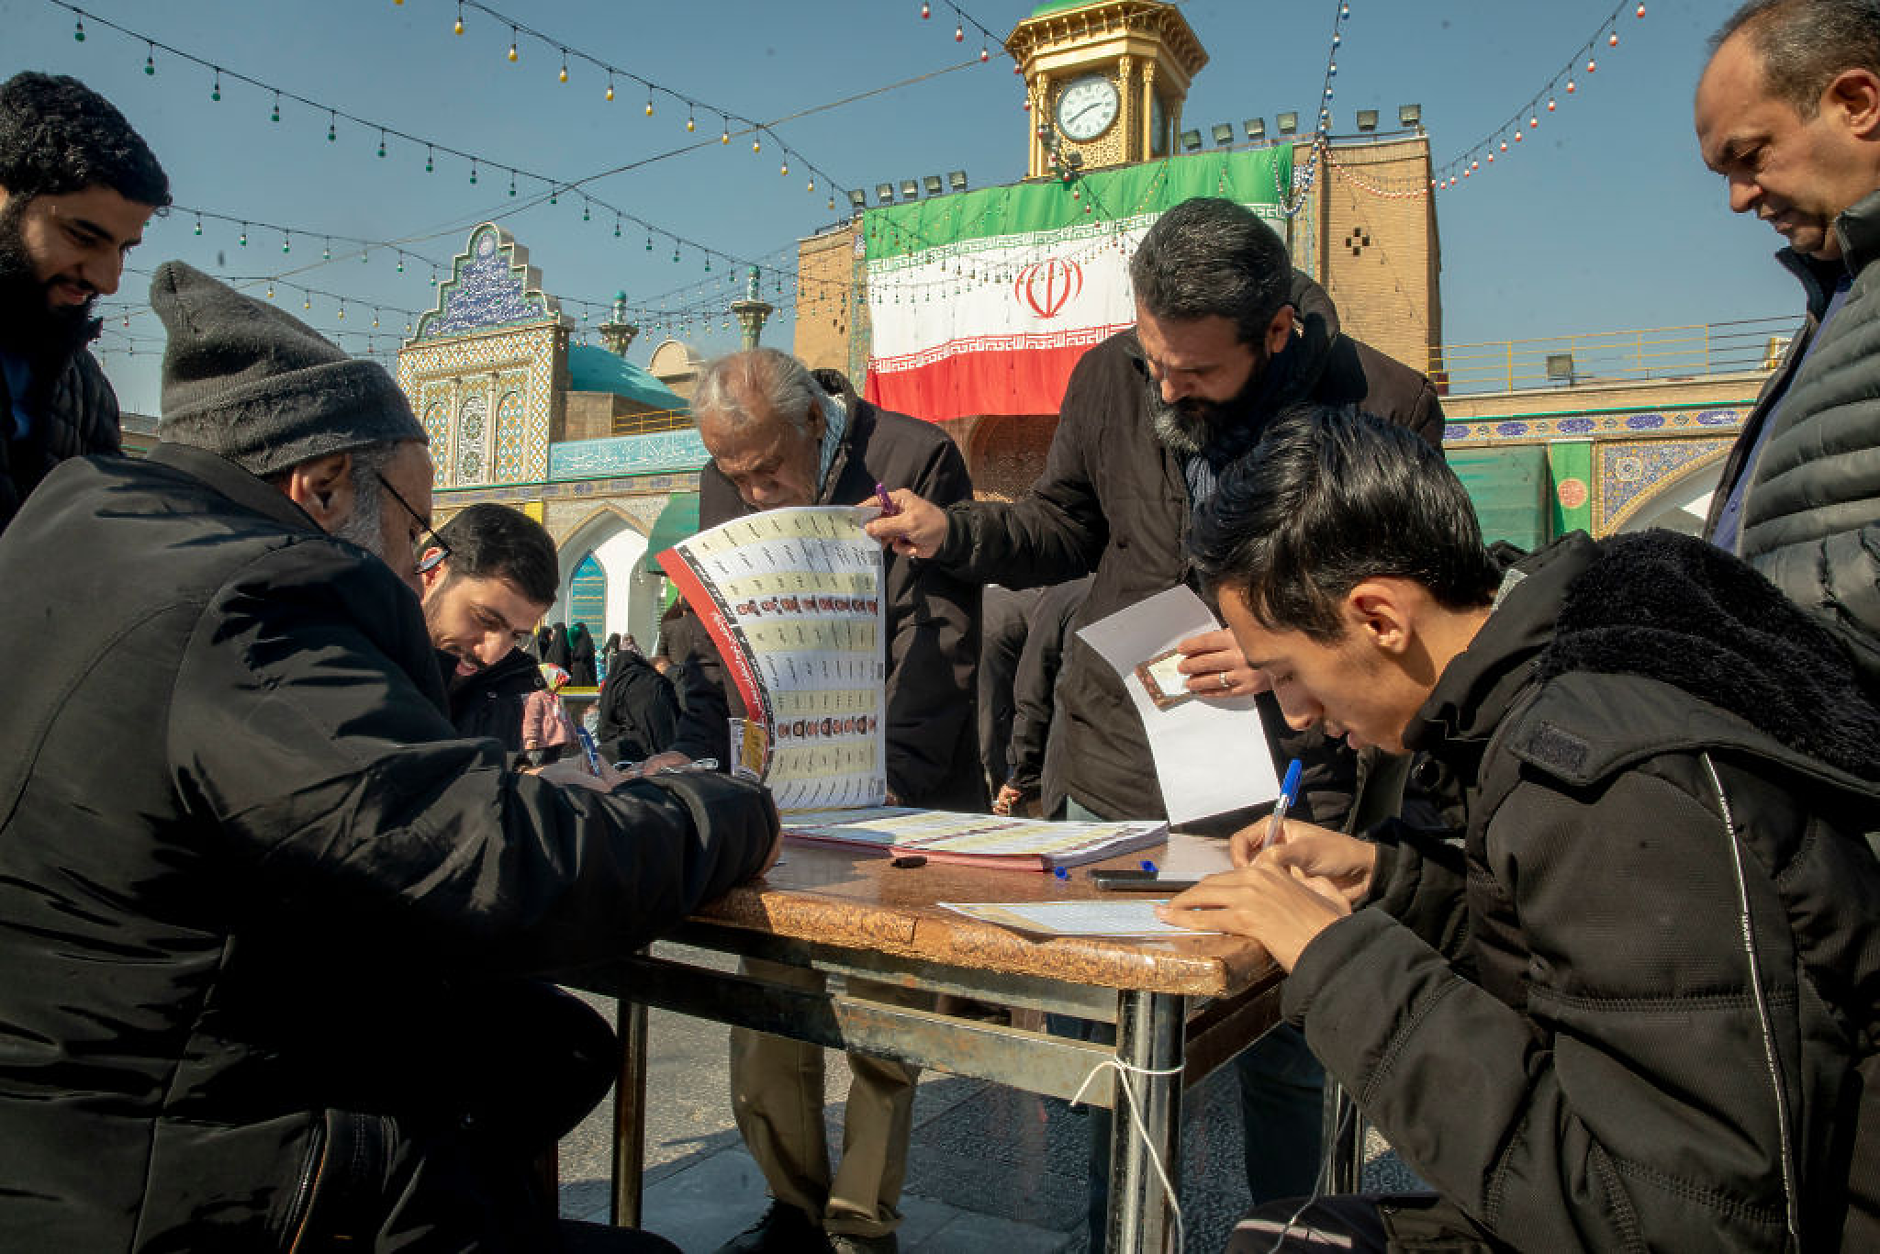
(265,917)
(780,435)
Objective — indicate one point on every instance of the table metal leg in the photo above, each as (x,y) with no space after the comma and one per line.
(629,1113)
(1149,1037)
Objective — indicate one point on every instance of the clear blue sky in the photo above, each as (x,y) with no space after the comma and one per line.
(1606,219)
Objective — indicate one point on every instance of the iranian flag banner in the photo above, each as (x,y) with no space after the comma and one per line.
(981,302)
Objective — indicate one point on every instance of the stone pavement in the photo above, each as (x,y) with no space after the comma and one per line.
(990,1167)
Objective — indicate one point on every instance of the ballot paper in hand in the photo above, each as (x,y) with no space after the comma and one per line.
(1210,753)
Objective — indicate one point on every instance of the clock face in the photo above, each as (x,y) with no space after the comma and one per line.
(1086,107)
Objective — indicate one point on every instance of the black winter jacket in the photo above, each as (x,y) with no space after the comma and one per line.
(1651,972)
(1113,500)
(639,710)
(77,417)
(489,702)
(932,616)
(218,932)
(1811,513)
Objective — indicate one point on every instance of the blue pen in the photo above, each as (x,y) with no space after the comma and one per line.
(1288,793)
(1148,866)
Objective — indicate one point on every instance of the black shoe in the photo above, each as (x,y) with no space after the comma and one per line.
(783,1230)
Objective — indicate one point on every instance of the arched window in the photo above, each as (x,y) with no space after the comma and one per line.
(587,596)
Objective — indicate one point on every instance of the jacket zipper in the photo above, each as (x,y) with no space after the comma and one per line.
(1762,1007)
(303,1192)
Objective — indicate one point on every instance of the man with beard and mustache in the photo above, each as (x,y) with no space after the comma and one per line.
(488,576)
(77,186)
(1227,335)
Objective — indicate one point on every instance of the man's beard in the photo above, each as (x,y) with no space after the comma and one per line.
(1190,426)
(365,525)
(30,324)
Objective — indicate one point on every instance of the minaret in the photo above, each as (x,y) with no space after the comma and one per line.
(751,312)
(617,332)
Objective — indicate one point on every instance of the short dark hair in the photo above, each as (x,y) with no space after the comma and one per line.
(490,541)
(1804,44)
(59,136)
(1212,258)
(1332,497)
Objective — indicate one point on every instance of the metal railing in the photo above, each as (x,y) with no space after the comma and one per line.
(657,420)
(1656,354)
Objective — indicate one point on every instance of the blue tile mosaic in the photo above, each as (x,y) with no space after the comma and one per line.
(1645,422)
(661,451)
(486,289)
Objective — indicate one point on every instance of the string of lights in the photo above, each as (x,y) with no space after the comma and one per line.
(1291,205)
(1497,142)
(550,190)
(693,105)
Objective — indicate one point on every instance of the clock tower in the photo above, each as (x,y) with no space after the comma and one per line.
(1106,80)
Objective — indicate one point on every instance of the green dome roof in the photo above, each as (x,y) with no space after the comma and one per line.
(592,369)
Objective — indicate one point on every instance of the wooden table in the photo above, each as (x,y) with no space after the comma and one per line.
(1184,1006)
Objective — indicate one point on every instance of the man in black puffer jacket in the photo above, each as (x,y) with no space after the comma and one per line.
(1785,112)
(77,186)
(1637,1005)
(266,964)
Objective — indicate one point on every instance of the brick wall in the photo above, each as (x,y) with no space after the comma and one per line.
(1377,246)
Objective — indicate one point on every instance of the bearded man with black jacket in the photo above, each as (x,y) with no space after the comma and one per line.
(265,965)
(486,576)
(1649,963)
(77,186)
(1227,334)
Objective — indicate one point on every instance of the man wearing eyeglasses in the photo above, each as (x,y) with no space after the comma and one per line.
(272,931)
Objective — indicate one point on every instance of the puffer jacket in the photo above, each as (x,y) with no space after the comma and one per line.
(250,876)
(1811,511)
(79,418)
(1651,970)
(1113,500)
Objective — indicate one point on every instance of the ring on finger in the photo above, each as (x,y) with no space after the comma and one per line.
(1226,683)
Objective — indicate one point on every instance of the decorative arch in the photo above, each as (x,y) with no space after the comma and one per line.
(1679,501)
(616,542)
(1642,481)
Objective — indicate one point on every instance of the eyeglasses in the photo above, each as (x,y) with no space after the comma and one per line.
(429,542)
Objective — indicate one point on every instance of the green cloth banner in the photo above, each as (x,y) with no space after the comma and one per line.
(1259,178)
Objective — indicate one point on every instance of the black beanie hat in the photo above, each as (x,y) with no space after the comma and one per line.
(259,387)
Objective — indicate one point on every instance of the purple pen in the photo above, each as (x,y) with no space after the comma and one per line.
(888,508)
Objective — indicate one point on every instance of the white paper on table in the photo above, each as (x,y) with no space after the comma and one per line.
(1210,754)
(1191,857)
(1133,917)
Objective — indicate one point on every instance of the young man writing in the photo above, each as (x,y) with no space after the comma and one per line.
(1632,1003)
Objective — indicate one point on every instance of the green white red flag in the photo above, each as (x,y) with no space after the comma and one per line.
(982,302)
